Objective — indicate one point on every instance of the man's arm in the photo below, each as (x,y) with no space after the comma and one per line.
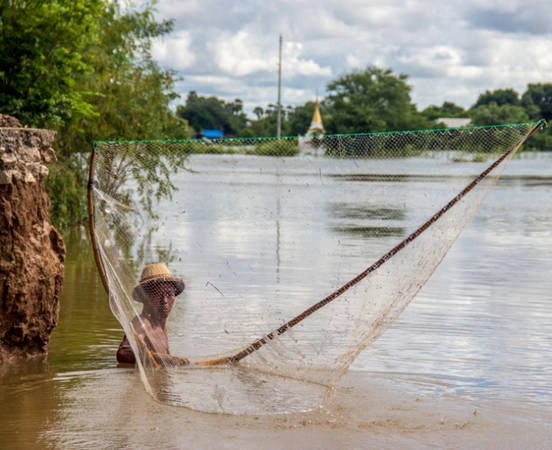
(125,354)
(170,360)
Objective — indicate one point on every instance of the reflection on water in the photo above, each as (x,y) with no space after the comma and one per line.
(481,327)
(362,212)
(87,331)
(370,232)
(365,222)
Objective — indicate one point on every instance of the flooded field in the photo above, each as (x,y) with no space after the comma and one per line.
(467,364)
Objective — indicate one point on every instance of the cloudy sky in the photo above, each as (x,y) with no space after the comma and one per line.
(451,50)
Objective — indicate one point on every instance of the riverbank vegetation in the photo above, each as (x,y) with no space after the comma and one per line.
(85,69)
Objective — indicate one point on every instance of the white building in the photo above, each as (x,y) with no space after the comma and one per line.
(454,122)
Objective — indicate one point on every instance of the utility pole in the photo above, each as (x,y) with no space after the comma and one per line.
(279,104)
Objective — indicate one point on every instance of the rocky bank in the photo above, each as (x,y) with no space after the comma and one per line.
(32,251)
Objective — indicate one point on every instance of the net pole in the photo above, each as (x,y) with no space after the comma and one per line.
(91,225)
(278,332)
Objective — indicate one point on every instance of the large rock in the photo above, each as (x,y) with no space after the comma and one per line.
(32,251)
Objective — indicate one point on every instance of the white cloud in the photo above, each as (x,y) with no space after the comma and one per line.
(451,51)
(296,64)
(175,50)
(353,62)
(241,55)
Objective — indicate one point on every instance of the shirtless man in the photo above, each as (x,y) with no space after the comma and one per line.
(157,291)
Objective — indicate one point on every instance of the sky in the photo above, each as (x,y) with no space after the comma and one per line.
(451,50)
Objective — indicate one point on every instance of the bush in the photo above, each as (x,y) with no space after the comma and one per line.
(66,187)
(276,147)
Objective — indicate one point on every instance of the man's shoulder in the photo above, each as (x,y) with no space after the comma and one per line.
(140,324)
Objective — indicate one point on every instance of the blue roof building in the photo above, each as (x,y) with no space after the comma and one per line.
(212,134)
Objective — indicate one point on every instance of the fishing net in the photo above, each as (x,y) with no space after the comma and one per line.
(296,254)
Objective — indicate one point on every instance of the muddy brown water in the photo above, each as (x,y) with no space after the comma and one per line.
(469,363)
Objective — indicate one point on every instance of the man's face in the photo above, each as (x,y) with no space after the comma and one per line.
(161,297)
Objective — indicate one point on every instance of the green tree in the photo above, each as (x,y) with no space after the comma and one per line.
(213,113)
(500,97)
(265,126)
(266,121)
(373,99)
(492,114)
(43,47)
(129,92)
(448,109)
(259,112)
(300,119)
(537,101)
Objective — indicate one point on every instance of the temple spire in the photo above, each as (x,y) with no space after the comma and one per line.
(316,126)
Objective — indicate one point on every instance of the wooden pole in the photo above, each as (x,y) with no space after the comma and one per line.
(91,226)
(279,104)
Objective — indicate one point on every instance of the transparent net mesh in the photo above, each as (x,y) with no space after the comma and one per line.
(267,265)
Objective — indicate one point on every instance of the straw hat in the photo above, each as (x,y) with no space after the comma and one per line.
(153,274)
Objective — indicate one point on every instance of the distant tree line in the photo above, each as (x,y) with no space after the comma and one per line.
(84,68)
(370,100)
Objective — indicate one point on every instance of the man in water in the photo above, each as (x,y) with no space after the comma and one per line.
(157,291)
